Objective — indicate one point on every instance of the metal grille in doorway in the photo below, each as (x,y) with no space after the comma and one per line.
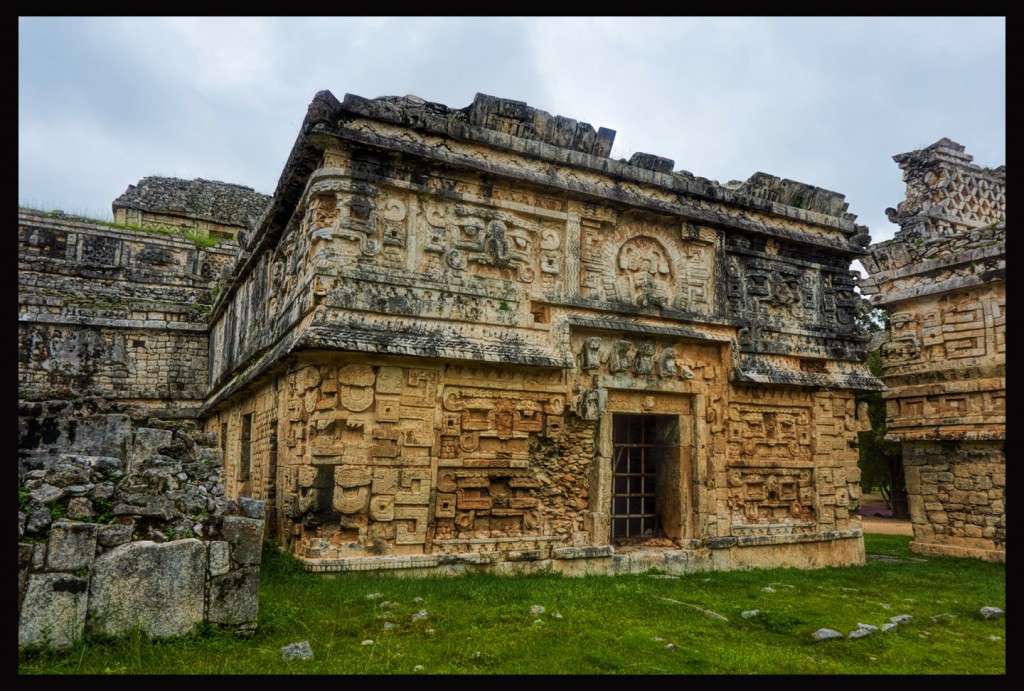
(636,452)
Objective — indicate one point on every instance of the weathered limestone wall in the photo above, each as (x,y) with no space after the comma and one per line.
(433,351)
(134,531)
(114,313)
(942,279)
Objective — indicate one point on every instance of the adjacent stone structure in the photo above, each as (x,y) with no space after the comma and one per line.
(114,312)
(942,279)
(469,339)
(207,207)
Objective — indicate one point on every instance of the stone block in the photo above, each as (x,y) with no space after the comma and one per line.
(252,508)
(234,597)
(102,435)
(159,587)
(24,564)
(53,610)
(72,546)
(245,535)
(146,446)
(38,556)
(114,534)
(220,558)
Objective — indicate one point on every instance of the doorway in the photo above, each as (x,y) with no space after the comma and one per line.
(645,477)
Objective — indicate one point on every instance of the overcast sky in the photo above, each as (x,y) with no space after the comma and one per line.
(105,101)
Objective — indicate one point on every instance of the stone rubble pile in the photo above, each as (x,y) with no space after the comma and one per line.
(144,538)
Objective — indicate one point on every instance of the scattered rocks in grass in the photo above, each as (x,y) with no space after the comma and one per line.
(368,641)
(991,613)
(670,646)
(537,609)
(374,596)
(422,614)
(388,626)
(417,600)
(826,635)
(944,618)
(767,589)
(556,615)
(901,619)
(992,637)
(750,613)
(863,630)
(418,668)
(300,651)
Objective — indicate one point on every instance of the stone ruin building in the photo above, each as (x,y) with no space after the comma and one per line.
(208,207)
(942,279)
(469,338)
(464,339)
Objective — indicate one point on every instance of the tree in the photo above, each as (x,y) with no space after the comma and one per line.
(880,461)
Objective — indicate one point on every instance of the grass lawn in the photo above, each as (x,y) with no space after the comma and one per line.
(547,624)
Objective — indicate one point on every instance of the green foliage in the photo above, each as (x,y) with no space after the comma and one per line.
(200,240)
(58,511)
(638,624)
(104,509)
(873,320)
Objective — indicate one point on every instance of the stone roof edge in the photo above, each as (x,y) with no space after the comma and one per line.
(639,168)
(326,111)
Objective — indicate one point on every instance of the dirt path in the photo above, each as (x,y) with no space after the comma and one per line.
(876,517)
(886,526)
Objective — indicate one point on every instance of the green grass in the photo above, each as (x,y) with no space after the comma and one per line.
(641,624)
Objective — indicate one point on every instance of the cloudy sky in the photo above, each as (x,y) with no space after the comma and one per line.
(105,101)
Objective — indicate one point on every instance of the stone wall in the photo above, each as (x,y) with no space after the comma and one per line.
(425,350)
(115,313)
(942,279)
(133,532)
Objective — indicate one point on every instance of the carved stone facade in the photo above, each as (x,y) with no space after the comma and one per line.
(468,339)
(942,279)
